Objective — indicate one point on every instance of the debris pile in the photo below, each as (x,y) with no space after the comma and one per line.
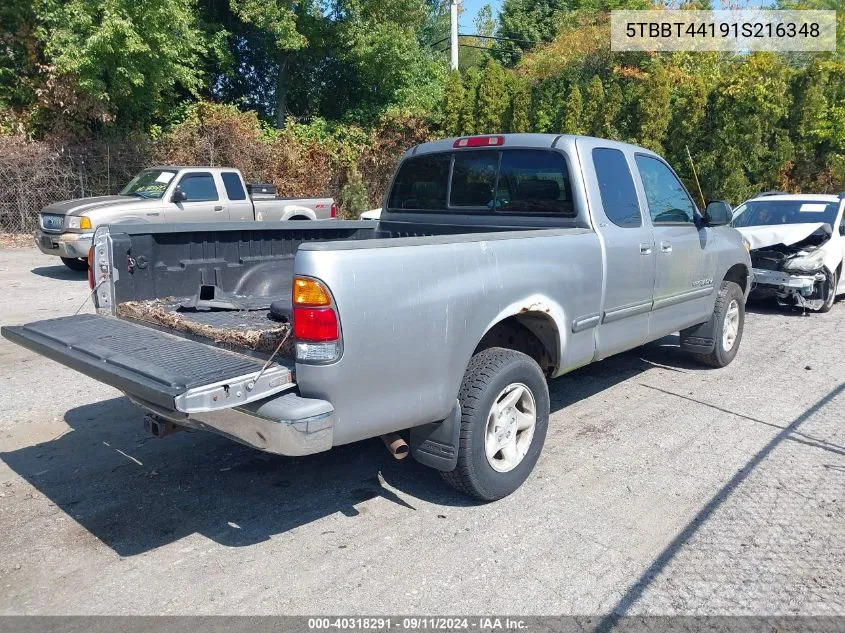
(244,329)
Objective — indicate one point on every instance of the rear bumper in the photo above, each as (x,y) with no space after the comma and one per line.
(190,383)
(284,425)
(68,245)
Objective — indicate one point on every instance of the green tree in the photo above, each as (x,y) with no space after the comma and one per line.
(453,99)
(519,112)
(278,20)
(572,121)
(492,99)
(653,108)
(138,58)
(469,124)
(19,53)
(526,23)
(596,107)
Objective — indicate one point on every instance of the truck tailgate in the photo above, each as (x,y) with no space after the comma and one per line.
(171,372)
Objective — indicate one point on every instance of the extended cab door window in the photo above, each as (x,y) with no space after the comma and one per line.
(616,186)
(668,201)
(234,188)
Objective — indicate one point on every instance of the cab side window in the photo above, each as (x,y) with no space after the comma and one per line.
(668,201)
(616,186)
(198,187)
(234,188)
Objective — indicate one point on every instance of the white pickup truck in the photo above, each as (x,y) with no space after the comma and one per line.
(167,195)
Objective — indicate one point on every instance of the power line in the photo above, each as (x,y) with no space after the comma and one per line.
(498,38)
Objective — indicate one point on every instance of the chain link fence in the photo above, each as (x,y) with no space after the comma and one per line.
(35,174)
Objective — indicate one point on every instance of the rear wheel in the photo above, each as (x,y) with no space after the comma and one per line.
(75,263)
(729,319)
(504,418)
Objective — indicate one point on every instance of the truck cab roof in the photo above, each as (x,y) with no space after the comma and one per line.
(530,140)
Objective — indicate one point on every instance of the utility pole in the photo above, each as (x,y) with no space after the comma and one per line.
(453,18)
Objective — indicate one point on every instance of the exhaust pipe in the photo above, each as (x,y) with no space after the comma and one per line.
(396,445)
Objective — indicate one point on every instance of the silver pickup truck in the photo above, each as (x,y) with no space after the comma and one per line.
(499,262)
(167,195)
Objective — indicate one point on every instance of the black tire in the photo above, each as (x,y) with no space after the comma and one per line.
(721,357)
(488,374)
(831,297)
(75,263)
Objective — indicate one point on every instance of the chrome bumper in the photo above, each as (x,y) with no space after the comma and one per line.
(284,425)
(68,245)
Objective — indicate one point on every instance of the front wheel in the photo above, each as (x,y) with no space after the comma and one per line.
(504,418)
(729,320)
(832,281)
(75,263)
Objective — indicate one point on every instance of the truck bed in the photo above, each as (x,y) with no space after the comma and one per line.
(166,266)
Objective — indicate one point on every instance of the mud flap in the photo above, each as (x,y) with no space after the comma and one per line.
(436,444)
(699,339)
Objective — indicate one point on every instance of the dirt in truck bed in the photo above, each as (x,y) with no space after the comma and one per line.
(246,329)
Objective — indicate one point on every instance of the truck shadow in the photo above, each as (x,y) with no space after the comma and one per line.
(61,273)
(136,493)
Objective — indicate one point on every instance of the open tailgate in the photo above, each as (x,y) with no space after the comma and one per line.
(171,372)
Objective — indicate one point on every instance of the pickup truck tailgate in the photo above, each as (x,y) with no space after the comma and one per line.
(171,372)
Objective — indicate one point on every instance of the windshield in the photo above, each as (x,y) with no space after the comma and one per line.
(150,183)
(768,212)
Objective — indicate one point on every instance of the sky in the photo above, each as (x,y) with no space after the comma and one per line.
(471,8)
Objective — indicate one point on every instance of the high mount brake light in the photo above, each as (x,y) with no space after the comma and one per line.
(479,141)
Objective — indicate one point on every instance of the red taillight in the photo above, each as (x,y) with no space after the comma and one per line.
(316,325)
(334,209)
(91,268)
(479,141)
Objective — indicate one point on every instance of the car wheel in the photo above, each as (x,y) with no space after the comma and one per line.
(75,263)
(729,319)
(504,418)
(833,280)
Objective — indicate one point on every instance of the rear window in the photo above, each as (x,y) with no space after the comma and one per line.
(421,183)
(533,181)
(509,182)
(234,188)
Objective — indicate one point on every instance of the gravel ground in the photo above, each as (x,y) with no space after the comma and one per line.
(664,488)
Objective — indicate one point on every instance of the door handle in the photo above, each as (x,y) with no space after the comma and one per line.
(218,207)
(665,247)
(645,249)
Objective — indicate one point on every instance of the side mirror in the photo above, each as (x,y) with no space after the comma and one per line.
(717,213)
(178,196)
(842,229)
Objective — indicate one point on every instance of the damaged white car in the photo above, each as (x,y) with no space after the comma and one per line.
(797,245)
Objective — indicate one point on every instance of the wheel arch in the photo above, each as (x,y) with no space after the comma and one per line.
(533,332)
(738,274)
